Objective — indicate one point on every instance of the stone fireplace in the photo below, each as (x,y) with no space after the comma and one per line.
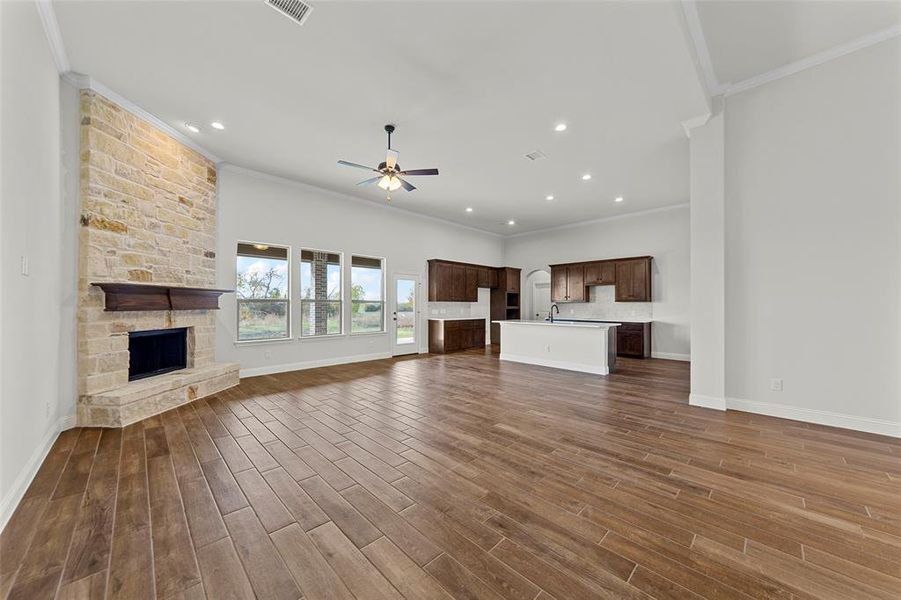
(148,215)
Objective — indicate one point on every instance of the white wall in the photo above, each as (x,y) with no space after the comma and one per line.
(31,218)
(708,304)
(260,208)
(813,223)
(663,234)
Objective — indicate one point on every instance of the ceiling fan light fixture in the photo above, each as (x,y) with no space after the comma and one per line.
(389,183)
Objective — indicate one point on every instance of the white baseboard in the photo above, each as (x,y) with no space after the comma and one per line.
(311,364)
(671,356)
(707,401)
(820,417)
(26,475)
(556,364)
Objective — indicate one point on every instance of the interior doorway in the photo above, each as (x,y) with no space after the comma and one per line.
(538,295)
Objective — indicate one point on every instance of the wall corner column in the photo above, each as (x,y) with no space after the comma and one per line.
(708,323)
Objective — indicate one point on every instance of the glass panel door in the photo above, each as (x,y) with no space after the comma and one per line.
(405,315)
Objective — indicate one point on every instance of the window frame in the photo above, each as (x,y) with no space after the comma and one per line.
(287,300)
(384,300)
(341,315)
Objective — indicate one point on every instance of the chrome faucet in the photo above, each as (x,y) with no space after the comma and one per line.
(550,313)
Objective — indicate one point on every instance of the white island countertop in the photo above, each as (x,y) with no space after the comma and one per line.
(589,324)
(574,346)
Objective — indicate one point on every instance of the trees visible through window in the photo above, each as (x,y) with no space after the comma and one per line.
(367,295)
(263,292)
(320,293)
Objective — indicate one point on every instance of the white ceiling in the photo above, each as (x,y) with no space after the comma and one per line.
(750,37)
(472,87)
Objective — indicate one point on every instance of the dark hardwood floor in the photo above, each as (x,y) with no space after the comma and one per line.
(460,476)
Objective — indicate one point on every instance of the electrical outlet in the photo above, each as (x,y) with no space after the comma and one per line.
(775,385)
(572,311)
(547,348)
(25,266)
(267,354)
(47,409)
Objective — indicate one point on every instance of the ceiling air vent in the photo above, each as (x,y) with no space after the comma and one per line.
(297,10)
(536,155)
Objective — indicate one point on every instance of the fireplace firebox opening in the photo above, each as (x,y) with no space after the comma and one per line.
(156,352)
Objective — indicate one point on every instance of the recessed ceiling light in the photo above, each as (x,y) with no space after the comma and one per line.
(468,209)
(549,197)
(511,222)
(192,128)
(618,199)
(560,127)
(586,176)
(217,125)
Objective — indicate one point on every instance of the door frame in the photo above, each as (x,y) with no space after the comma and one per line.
(401,349)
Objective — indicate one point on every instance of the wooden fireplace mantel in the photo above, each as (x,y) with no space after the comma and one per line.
(142,296)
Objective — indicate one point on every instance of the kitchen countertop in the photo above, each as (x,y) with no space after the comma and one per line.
(556,318)
(457,318)
(569,324)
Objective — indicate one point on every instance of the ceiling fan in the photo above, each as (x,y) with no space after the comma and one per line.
(389,172)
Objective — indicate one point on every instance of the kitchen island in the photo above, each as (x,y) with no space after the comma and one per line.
(574,346)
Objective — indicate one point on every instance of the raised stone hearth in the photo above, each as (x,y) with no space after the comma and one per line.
(148,215)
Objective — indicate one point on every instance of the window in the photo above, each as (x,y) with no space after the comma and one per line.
(320,293)
(262,291)
(367,299)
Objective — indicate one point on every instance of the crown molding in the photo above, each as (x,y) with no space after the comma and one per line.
(702,51)
(85,82)
(54,37)
(637,213)
(225,166)
(689,124)
(812,61)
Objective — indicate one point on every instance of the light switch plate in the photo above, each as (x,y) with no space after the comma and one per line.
(25,266)
(775,385)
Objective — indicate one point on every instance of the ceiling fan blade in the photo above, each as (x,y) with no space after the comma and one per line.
(419,172)
(407,186)
(350,164)
(391,160)
(370,181)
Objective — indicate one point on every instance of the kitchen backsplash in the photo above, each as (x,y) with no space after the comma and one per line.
(449,310)
(601,305)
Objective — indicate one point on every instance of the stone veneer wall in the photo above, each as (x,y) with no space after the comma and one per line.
(148,215)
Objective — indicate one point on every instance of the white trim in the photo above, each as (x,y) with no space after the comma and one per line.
(812,61)
(638,213)
(11,501)
(313,188)
(83,82)
(702,51)
(311,364)
(555,364)
(820,417)
(689,124)
(54,36)
(671,356)
(707,401)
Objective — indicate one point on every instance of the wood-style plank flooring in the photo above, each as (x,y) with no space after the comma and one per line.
(459,476)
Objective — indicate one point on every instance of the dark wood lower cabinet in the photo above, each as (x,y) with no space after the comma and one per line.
(458,334)
(634,340)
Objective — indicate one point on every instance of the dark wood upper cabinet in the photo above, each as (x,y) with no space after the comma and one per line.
(568,283)
(575,283)
(631,276)
(558,283)
(451,281)
(601,272)
(633,280)
(471,291)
